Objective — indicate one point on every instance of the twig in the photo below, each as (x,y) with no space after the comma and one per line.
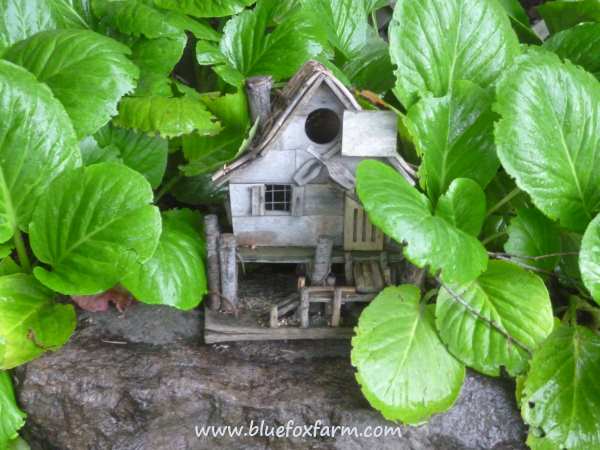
(504,200)
(106,341)
(457,298)
(533,258)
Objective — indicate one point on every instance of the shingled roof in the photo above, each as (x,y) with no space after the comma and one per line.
(297,92)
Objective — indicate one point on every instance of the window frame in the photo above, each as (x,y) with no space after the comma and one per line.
(288,201)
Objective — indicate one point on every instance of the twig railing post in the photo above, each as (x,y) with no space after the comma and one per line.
(229,272)
(211,230)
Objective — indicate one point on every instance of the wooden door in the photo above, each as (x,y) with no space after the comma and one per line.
(359,233)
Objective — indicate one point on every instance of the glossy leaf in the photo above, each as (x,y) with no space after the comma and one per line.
(404,370)
(251,46)
(37,142)
(22,19)
(455,136)
(531,235)
(463,205)
(135,18)
(70,62)
(92,226)
(561,396)
(495,320)
(206,154)
(146,154)
(31,322)
(175,274)
(167,116)
(562,14)
(589,258)
(549,136)
(435,43)
(12,418)
(404,214)
(580,45)
(371,68)
(205,8)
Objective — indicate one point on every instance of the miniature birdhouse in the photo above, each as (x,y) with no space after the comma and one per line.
(292,200)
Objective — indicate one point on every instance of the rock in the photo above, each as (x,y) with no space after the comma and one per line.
(145,381)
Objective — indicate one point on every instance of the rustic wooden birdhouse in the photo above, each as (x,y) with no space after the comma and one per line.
(292,200)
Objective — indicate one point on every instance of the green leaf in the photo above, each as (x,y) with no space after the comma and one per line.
(175,275)
(135,18)
(18,444)
(560,15)
(200,29)
(146,154)
(463,205)
(12,418)
(22,19)
(168,117)
(345,22)
(435,43)
(205,8)
(404,214)
(92,153)
(8,266)
(549,136)
(372,5)
(31,322)
(495,320)
(205,154)
(251,46)
(404,370)
(198,190)
(455,136)
(579,45)
(569,264)
(71,62)
(561,396)
(371,68)
(92,226)
(520,21)
(37,142)
(530,235)
(589,258)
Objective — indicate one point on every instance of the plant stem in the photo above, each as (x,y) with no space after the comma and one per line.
(22,251)
(493,237)
(167,187)
(507,198)
(533,258)
(374,19)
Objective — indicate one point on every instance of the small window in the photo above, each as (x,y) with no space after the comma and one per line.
(278,197)
(322,126)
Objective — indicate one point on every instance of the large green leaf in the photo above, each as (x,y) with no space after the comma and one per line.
(562,14)
(549,136)
(580,45)
(166,116)
(21,19)
(146,154)
(12,418)
(403,368)
(463,206)
(205,8)
(589,258)
(37,142)
(405,214)
(251,45)
(435,43)
(531,235)
(495,320)
(88,73)
(561,396)
(455,136)
(371,68)
(175,275)
(346,23)
(31,322)
(205,154)
(92,226)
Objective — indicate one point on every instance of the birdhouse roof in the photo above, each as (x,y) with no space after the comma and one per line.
(298,91)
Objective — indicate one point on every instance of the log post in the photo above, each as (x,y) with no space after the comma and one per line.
(337,308)
(348,268)
(229,272)
(211,230)
(322,264)
(304,308)
(258,90)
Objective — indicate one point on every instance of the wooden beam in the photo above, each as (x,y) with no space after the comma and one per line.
(229,272)
(211,231)
(258,90)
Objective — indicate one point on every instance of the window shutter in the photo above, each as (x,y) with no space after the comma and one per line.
(297,201)
(258,200)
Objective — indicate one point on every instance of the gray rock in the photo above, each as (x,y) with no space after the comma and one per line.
(144,381)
